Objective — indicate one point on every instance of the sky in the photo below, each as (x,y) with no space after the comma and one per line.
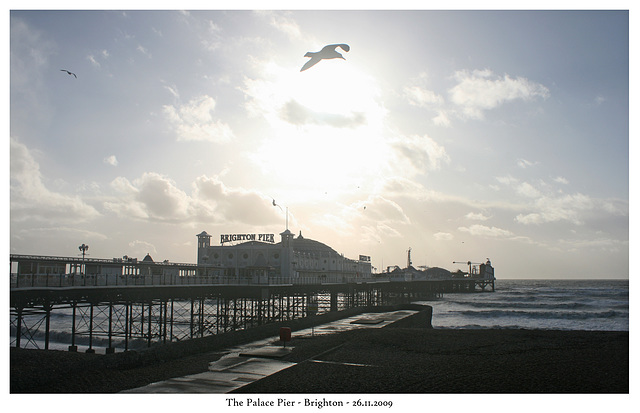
(459,135)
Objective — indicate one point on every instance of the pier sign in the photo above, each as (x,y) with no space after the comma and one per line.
(247,237)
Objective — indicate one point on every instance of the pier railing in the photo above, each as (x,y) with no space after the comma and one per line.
(96,280)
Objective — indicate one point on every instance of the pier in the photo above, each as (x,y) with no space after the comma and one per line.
(143,304)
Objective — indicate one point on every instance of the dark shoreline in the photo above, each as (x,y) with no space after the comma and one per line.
(397,360)
(406,360)
(405,357)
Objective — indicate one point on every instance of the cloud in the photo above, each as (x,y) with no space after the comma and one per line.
(283,22)
(173,90)
(143,50)
(398,186)
(476,216)
(212,40)
(31,199)
(377,233)
(574,208)
(486,232)
(142,247)
(60,232)
(235,204)
(552,209)
(442,119)
(506,180)
(523,163)
(154,197)
(30,59)
(546,204)
(419,95)
(481,90)
(528,190)
(30,53)
(374,219)
(443,236)
(423,98)
(297,114)
(381,209)
(93,61)
(195,122)
(111,160)
(598,243)
(424,153)
(475,93)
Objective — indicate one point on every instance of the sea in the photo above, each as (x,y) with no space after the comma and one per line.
(538,304)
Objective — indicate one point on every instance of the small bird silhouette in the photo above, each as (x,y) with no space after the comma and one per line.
(327,52)
(69,73)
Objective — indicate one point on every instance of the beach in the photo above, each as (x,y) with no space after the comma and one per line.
(457,361)
(389,360)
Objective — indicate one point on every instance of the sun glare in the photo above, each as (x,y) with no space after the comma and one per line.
(327,126)
(335,87)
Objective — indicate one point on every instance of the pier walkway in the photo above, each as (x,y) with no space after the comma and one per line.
(253,361)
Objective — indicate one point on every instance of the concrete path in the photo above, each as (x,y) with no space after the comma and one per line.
(250,362)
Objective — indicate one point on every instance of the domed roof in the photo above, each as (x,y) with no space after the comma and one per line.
(147,258)
(308,245)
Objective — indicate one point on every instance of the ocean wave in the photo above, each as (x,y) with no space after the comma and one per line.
(63,337)
(523,305)
(512,327)
(571,315)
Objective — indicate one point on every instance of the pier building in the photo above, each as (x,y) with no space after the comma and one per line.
(258,257)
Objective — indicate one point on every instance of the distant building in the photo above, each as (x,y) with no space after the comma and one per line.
(258,255)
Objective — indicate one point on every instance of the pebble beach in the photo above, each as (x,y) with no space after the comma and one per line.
(387,360)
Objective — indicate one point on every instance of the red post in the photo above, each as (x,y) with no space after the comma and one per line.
(285,335)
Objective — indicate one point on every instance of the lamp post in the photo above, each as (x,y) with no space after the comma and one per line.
(84,249)
(286,213)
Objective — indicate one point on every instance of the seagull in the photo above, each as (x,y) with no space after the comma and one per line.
(327,52)
(69,73)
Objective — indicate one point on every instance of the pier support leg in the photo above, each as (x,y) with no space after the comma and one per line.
(149,327)
(163,315)
(191,320)
(18,326)
(127,327)
(201,317)
(110,349)
(90,349)
(73,347)
(47,323)
(171,323)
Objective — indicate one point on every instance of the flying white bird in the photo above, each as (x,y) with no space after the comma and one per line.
(327,52)
(69,73)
